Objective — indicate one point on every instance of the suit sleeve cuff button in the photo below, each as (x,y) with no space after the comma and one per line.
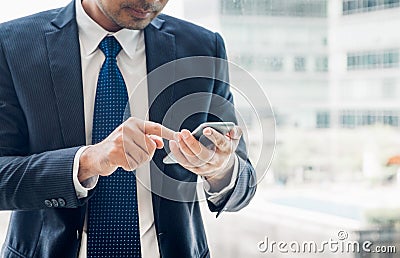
(48,203)
(55,203)
(61,202)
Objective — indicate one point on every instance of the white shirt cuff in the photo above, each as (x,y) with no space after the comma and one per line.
(217,197)
(83,188)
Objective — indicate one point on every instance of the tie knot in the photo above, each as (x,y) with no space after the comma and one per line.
(110,47)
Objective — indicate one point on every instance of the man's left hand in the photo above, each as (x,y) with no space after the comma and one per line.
(216,164)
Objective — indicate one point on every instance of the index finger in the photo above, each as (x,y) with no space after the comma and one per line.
(159,130)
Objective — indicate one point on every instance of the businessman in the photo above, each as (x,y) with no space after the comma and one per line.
(81,178)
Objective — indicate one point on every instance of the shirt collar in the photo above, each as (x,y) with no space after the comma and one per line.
(91,34)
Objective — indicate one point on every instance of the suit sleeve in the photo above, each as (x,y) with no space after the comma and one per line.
(29,182)
(222,109)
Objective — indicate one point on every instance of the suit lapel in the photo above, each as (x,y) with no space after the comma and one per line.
(65,65)
(160,49)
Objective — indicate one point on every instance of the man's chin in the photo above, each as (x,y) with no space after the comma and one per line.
(136,25)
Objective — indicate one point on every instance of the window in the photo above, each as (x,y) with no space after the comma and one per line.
(299,64)
(269,64)
(321,64)
(369,3)
(323,119)
(376,59)
(300,8)
(391,119)
(361,6)
(358,118)
(391,2)
(245,60)
(348,119)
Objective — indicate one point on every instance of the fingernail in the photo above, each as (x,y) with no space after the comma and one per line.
(207,131)
(185,134)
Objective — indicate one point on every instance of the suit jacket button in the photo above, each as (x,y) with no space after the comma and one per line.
(48,203)
(61,202)
(54,202)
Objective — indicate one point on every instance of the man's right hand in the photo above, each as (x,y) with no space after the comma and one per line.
(130,145)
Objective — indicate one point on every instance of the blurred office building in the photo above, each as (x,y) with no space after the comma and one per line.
(331,71)
(284,44)
(312,56)
(324,64)
(364,59)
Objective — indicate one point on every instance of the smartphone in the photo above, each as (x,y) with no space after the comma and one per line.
(221,127)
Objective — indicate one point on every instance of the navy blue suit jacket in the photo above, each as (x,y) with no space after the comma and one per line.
(42,127)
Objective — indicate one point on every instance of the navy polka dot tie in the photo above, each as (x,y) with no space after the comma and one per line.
(113,221)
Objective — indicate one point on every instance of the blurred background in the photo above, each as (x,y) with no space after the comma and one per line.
(331,69)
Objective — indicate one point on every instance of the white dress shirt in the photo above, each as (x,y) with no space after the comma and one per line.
(132,64)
